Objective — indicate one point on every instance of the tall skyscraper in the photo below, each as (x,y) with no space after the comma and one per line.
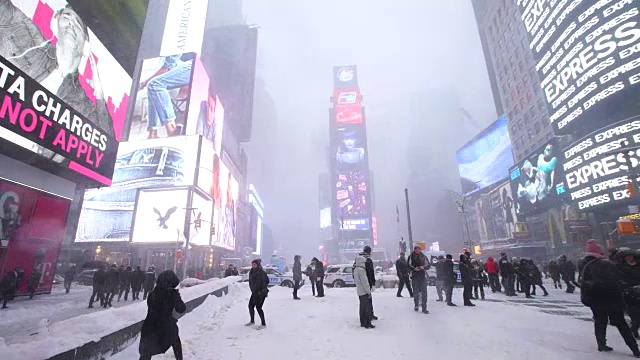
(512,68)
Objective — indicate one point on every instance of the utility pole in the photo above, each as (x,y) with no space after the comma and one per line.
(410,233)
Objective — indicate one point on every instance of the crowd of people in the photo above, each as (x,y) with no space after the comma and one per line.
(113,280)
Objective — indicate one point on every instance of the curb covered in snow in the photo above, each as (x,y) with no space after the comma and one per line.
(103,333)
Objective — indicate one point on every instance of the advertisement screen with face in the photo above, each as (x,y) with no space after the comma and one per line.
(225,210)
(351,147)
(107,212)
(200,231)
(160,215)
(537,182)
(56,99)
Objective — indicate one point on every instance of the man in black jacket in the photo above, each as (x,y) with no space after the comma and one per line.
(402,270)
(508,275)
(259,285)
(318,274)
(440,276)
(449,278)
(149,281)
(112,283)
(371,276)
(466,276)
(419,264)
(137,277)
(568,273)
(601,292)
(99,279)
(125,282)
(297,276)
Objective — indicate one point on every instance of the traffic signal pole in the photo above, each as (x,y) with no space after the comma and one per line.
(410,233)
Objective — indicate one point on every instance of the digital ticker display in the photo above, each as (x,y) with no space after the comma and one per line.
(596,168)
(587,56)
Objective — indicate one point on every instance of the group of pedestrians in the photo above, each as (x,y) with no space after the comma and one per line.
(13,279)
(107,283)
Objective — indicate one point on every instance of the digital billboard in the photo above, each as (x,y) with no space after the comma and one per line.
(496,213)
(351,149)
(537,182)
(345,76)
(351,189)
(349,96)
(225,211)
(485,159)
(160,215)
(596,171)
(349,115)
(201,220)
(107,212)
(206,113)
(587,58)
(62,94)
(325,218)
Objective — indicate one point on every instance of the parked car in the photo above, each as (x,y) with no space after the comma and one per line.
(86,277)
(432,273)
(339,276)
(275,276)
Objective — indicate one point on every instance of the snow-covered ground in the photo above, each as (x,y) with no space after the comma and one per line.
(551,327)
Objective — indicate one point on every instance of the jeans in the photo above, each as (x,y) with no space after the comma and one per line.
(296,286)
(439,288)
(402,281)
(448,291)
(494,282)
(420,292)
(365,311)
(67,286)
(160,108)
(466,292)
(320,287)
(602,315)
(255,302)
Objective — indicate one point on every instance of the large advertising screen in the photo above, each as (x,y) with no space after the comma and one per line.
(62,94)
(351,191)
(351,148)
(587,59)
(345,76)
(107,212)
(201,220)
(160,216)
(225,211)
(537,182)
(596,171)
(485,159)
(496,213)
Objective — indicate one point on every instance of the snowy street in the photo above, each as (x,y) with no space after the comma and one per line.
(556,327)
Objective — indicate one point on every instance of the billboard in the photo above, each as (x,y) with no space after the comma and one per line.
(596,171)
(349,115)
(160,215)
(349,96)
(257,216)
(351,191)
(225,211)
(325,218)
(351,149)
(485,159)
(201,220)
(587,58)
(64,96)
(107,212)
(537,182)
(345,76)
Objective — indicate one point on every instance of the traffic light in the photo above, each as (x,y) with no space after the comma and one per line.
(213,230)
(198,223)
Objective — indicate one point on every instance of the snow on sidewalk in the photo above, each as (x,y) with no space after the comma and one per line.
(328,328)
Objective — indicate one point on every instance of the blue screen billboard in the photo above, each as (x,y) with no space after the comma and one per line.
(485,159)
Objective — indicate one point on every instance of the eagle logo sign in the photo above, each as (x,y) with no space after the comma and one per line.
(162,220)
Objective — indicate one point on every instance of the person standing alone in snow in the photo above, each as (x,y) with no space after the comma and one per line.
(364,292)
(259,285)
(297,276)
(402,270)
(371,274)
(600,281)
(34,282)
(419,264)
(160,329)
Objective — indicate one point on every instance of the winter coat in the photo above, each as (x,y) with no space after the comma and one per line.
(8,285)
(415,262)
(137,277)
(466,271)
(318,271)
(368,266)
(440,271)
(402,268)
(568,270)
(112,280)
(228,272)
(491,267)
(630,273)
(536,275)
(360,277)
(99,279)
(160,328)
(70,275)
(309,273)
(600,283)
(506,268)
(34,280)
(523,272)
(258,281)
(450,276)
(478,273)
(297,270)
(554,270)
(149,280)
(125,279)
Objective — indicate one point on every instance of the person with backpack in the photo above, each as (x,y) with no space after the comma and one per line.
(363,290)
(419,264)
(402,271)
(371,274)
(600,282)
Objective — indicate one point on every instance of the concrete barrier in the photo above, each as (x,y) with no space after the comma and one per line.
(108,332)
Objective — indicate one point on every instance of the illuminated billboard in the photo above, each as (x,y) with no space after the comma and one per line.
(351,148)
(485,159)
(349,115)
(201,220)
(351,191)
(587,58)
(345,76)
(160,215)
(225,211)
(62,94)
(596,171)
(537,182)
(496,213)
(107,212)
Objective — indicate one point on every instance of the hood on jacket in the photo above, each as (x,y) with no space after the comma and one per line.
(463,258)
(361,261)
(490,259)
(168,280)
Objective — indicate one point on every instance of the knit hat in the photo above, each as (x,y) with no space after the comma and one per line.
(594,249)
(367,249)
(257,262)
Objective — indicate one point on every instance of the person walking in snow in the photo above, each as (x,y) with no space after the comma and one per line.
(112,284)
(524,276)
(160,329)
(450,279)
(478,279)
(310,274)
(124,276)
(402,271)
(601,291)
(33,282)
(99,290)
(536,279)
(137,278)
(8,287)
(554,272)
(363,290)
(419,264)
(149,281)
(440,277)
(568,273)
(69,276)
(492,270)
(259,285)
(297,276)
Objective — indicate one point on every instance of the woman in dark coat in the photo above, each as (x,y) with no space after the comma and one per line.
(160,329)
(259,285)
(536,278)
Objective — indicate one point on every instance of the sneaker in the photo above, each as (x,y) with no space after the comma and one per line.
(250,323)
(260,327)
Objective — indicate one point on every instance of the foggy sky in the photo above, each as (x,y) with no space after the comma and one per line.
(404,49)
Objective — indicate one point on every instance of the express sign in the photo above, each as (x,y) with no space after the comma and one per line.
(596,169)
(588,59)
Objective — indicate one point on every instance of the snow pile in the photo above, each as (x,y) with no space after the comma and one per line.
(74,332)
(189,282)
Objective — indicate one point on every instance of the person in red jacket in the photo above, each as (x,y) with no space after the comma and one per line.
(492,270)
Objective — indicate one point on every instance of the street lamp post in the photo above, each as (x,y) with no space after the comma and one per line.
(461,203)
